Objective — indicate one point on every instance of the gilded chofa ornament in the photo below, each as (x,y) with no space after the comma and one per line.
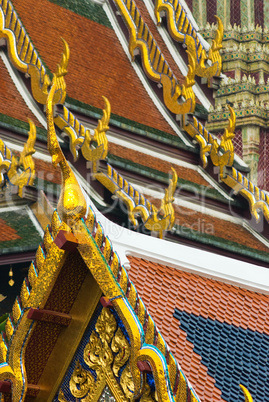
(154,220)
(94,147)
(18,172)
(179,99)
(25,58)
(222,154)
(72,204)
(182,31)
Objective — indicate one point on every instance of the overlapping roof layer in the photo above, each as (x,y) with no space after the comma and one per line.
(218,332)
(98,65)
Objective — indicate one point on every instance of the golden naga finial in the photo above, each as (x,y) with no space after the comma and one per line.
(214,54)
(60,93)
(81,138)
(182,30)
(72,204)
(100,152)
(154,222)
(248,397)
(40,88)
(11,164)
(226,144)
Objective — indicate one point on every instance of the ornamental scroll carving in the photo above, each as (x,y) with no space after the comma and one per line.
(105,363)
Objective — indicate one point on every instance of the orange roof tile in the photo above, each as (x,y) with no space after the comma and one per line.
(210,225)
(10,96)
(91,73)
(203,297)
(158,164)
(6,232)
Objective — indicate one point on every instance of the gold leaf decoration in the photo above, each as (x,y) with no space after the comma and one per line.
(20,172)
(120,346)
(182,30)
(154,219)
(226,146)
(248,397)
(126,381)
(179,99)
(71,204)
(94,147)
(25,58)
(81,381)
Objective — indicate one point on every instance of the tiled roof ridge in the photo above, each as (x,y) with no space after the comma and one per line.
(25,58)
(21,49)
(154,63)
(181,29)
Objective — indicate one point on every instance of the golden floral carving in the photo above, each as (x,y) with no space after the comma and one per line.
(120,346)
(126,381)
(81,381)
(106,352)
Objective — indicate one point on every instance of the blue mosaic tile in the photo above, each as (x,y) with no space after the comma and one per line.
(232,355)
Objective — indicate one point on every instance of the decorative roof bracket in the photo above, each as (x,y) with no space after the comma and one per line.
(25,58)
(178,99)
(154,220)
(18,172)
(181,30)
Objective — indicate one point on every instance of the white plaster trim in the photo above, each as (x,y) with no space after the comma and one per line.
(126,242)
(35,222)
(100,2)
(257,235)
(26,96)
(142,77)
(176,56)
(12,208)
(133,145)
(213,183)
(38,155)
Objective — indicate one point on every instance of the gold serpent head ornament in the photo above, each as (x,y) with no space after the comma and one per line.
(72,204)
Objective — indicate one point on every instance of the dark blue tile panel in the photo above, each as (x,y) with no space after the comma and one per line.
(232,355)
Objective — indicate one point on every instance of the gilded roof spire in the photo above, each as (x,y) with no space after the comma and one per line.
(71,204)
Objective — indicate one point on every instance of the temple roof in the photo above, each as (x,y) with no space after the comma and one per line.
(218,331)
